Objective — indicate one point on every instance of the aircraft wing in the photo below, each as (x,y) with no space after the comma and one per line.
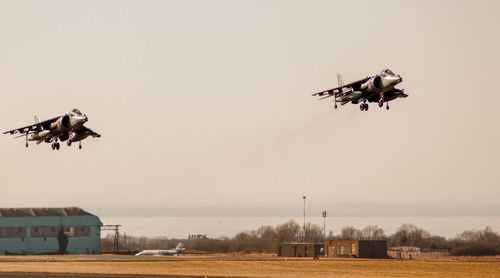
(84,129)
(338,90)
(34,127)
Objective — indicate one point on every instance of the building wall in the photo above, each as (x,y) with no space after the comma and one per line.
(356,248)
(38,235)
(341,248)
(375,249)
(299,249)
(404,252)
(286,250)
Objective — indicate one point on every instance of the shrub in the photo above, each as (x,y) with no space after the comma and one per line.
(474,249)
(211,245)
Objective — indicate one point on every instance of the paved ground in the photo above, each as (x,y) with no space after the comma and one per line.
(252,265)
(54,275)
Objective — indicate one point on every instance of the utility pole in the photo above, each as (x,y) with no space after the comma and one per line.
(304,236)
(115,228)
(324,225)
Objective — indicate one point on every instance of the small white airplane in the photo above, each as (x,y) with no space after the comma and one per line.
(171,252)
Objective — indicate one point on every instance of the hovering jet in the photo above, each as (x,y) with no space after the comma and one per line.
(378,88)
(68,127)
(171,252)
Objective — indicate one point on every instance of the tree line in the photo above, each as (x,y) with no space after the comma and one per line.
(267,238)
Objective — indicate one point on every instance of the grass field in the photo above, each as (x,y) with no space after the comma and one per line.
(253,266)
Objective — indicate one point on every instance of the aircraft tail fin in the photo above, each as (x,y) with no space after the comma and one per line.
(340,80)
(180,247)
(37,120)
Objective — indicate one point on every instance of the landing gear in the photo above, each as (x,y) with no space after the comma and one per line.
(380,103)
(69,142)
(26,140)
(335,105)
(387,106)
(56,146)
(26,144)
(80,145)
(363,107)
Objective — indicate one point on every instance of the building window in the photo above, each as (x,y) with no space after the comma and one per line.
(13,232)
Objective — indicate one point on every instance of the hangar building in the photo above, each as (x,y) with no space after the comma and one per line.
(49,231)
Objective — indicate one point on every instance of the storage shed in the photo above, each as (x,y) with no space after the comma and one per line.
(48,231)
(356,248)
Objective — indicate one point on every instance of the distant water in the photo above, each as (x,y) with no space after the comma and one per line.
(215,227)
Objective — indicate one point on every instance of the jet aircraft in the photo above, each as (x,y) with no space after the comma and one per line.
(378,88)
(68,127)
(171,252)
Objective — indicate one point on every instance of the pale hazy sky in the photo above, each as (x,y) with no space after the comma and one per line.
(208,103)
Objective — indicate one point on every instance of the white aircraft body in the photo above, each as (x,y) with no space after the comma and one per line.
(171,252)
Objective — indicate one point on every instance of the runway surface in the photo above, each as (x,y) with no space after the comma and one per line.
(54,275)
(242,265)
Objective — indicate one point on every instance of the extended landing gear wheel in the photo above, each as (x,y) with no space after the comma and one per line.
(69,143)
(335,106)
(380,103)
(53,146)
(58,146)
(26,144)
(366,106)
(387,106)
(362,107)
(80,145)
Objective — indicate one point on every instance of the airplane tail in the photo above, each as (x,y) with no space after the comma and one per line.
(180,247)
(340,80)
(37,120)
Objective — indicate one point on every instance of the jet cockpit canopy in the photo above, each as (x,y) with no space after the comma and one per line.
(76,112)
(387,72)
